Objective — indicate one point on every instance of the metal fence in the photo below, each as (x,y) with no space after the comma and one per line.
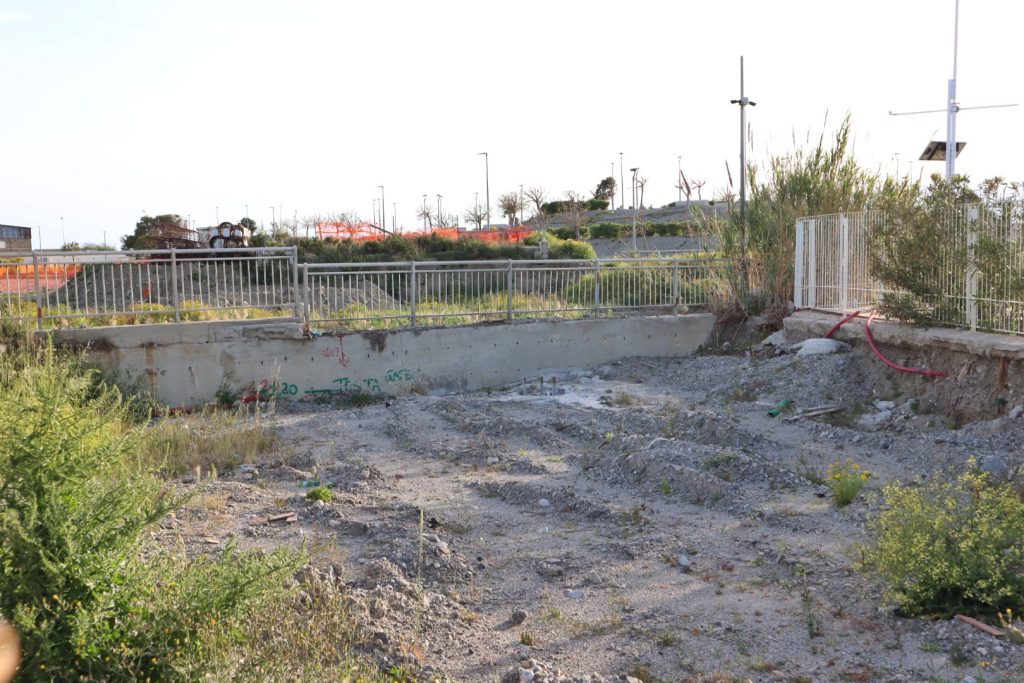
(164,285)
(75,289)
(976,273)
(376,295)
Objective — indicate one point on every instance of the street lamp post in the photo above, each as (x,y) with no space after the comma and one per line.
(743,101)
(622,184)
(216,213)
(487,183)
(424,212)
(634,170)
(679,177)
(440,216)
(520,205)
(394,217)
(383,210)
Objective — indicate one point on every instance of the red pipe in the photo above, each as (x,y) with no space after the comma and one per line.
(835,328)
(894,366)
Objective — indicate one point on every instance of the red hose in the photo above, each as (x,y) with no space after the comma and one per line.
(894,366)
(835,328)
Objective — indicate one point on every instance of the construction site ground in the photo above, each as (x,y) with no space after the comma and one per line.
(646,518)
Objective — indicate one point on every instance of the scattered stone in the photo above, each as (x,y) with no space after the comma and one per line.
(573,593)
(873,421)
(684,563)
(526,675)
(776,339)
(518,617)
(551,568)
(818,347)
(885,405)
(492,460)
(544,503)
(995,467)
(1016,411)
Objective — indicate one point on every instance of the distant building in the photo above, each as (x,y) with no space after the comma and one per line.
(15,238)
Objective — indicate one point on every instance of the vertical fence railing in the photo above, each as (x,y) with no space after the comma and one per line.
(975,272)
(70,289)
(377,295)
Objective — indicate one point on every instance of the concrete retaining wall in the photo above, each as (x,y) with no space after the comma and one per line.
(186,364)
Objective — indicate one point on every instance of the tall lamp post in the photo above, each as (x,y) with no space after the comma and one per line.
(679,177)
(383,210)
(487,184)
(520,205)
(440,216)
(425,212)
(634,170)
(622,184)
(743,101)
(272,220)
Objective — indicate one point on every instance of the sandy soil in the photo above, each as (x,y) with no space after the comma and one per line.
(646,518)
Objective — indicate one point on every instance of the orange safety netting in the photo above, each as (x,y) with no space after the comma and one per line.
(22,278)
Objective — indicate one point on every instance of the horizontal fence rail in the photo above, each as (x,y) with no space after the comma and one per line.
(975,277)
(163,285)
(384,295)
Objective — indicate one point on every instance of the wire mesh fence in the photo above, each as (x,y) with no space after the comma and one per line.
(385,295)
(110,288)
(974,278)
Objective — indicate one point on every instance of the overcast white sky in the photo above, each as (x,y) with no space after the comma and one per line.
(109,109)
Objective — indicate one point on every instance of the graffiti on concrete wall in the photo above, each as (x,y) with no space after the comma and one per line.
(266,389)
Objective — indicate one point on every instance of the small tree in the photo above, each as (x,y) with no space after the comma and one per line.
(537,196)
(575,209)
(148,227)
(605,189)
(509,204)
(476,215)
(425,214)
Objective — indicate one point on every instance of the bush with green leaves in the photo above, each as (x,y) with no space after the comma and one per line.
(91,596)
(953,545)
(921,246)
(559,248)
(823,179)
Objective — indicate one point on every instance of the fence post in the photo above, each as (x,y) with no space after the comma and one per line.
(306,295)
(676,284)
(798,267)
(174,285)
(844,262)
(295,282)
(812,264)
(972,267)
(412,292)
(597,288)
(508,285)
(39,291)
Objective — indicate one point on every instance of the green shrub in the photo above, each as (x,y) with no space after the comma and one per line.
(954,545)
(320,493)
(79,579)
(559,248)
(845,480)
(607,231)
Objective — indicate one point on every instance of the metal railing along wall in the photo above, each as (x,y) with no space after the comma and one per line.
(977,277)
(163,285)
(384,295)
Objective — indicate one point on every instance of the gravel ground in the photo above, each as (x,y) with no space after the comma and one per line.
(645,520)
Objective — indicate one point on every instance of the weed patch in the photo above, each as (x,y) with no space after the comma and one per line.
(951,546)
